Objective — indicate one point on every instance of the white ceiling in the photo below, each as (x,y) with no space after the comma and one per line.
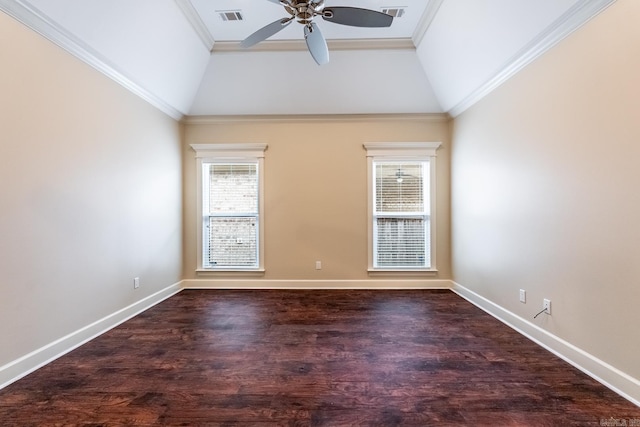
(258,13)
(440,56)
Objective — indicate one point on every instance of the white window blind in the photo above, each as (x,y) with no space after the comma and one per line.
(231,216)
(401,214)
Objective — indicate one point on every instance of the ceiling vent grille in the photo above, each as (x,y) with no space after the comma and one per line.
(395,11)
(230,15)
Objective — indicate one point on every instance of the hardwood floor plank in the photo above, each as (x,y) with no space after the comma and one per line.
(311,358)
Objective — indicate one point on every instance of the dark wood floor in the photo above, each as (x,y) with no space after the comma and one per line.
(334,358)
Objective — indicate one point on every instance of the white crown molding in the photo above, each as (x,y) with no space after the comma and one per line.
(425,22)
(401,149)
(215,120)
(570,21)
(196,22)
(300,45)
(33,18)
(240,150)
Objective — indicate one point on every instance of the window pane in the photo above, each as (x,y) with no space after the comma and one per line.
(401,242)
(233,188)
(233,242)
(400,187)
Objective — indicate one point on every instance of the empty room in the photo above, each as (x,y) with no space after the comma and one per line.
(292,212)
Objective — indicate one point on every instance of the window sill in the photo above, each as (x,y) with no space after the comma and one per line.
(229,272)
(431,272)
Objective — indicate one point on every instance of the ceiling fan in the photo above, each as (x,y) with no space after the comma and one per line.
(304,11)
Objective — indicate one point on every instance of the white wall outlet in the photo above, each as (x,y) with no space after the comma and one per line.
(318,265)
(523,296)
(546,304)
(136,282)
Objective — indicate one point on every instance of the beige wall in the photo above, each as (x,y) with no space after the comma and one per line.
(94,184)
(545,190)
(90,193)
(316,189)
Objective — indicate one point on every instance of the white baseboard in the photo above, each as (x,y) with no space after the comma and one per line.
(611,377)
(315,284)
(28,363)
(618,381)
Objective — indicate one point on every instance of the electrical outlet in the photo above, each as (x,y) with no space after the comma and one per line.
(523,296)
(318,265)
(546,304)
(136,282)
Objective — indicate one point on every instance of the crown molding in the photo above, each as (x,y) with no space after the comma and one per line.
(401,149)
(253,150)
(33,18)
(420,117)
(425,22)
(570,21)
(300,45)
(196,22)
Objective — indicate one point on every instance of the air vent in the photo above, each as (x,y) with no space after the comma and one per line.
(230,15)
(395,11)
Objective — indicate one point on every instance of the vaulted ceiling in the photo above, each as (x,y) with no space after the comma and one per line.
(184,56)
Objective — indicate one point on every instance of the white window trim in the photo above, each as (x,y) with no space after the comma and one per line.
(221,153)
(409,151)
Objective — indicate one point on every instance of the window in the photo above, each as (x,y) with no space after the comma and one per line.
(230,206)
(230,215)
(401,193)
(401,214)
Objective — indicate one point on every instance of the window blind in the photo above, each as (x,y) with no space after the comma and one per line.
(399,188)
(233,188)
(401,217)
(401,242)
(232,242)
(232,217)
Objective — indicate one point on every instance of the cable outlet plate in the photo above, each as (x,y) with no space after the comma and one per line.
(546,304)
(523,296)
(136,282)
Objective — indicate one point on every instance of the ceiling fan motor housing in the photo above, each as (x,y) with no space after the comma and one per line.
(304,10)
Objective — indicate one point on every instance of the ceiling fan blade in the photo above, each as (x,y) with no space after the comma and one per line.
(356,17)
(316,43)
(265,32)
